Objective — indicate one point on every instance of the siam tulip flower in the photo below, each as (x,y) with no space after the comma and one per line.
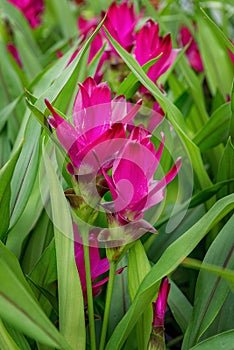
(15,53)
(132,185)
(149,45)
(98,121)
(157,341)
(31,9)
(120,23)
(192,51)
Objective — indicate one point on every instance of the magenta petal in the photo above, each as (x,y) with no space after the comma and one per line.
(102,150)
(99,267)
(66,133)
(132,112)
(118,108)
(161,304)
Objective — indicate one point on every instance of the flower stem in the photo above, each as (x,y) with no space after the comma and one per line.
(110,285)
(89,296)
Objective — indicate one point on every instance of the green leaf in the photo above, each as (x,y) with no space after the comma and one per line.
(71,310)
(28,57)
(64,17)
(120,300)
(226,168)
(220,341)
(198,198)
(19,23)
(130,84)
(180,306)
(38,114)
(27,222)
(6,342)
(18,337)
(215,131)
(5,147)
(196,91)
(6,174)
(220,271)
(214,55)
(211,290)
(168,262)
(174,114)
(138,267)
(25,171)
(19,308)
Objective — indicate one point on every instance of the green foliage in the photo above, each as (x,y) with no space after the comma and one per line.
(41,300)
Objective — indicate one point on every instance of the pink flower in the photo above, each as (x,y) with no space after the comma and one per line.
(98,121)
(149,45)
(31,9)
(98,266)
(157,339)
(192,51)
(132,185)
(161,303)
(120,23)
(15,53)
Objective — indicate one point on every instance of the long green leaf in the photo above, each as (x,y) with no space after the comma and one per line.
(18,306)
(214,55)
(138,267)
(6,342)
(211,290)
(6,174)
(215,131)
(171,258)
(220,341)
(180,306)
(25,171)
(71,306)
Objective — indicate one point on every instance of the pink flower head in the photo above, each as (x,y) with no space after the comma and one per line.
(160,305)
(120,23)
(15,53)
(98,121)
(149,45)
(31,9)
(192,51)
(132,185)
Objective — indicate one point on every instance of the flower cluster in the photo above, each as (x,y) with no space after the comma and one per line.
(103,143)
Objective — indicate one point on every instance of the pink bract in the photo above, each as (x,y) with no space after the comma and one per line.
(98,266)
(98,121)
(15,53)
(150,45)
(120,23)
(132,185)
(192,51)
(160,305)
(31,9)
